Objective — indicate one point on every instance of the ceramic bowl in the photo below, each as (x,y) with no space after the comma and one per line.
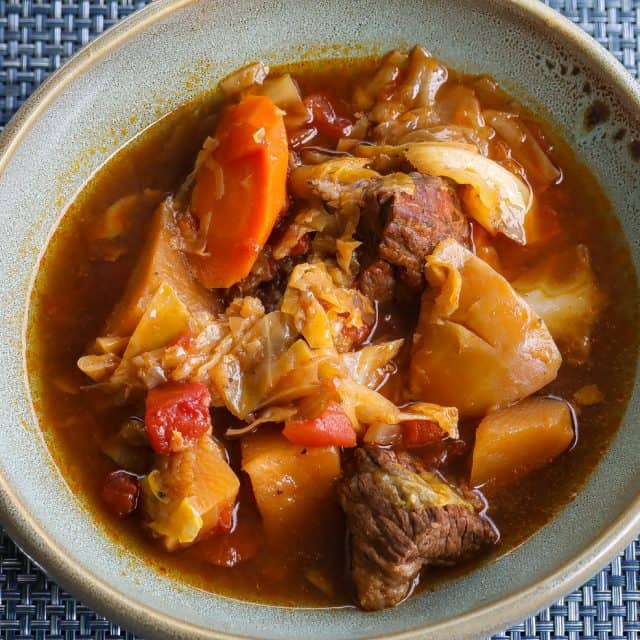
(166,54)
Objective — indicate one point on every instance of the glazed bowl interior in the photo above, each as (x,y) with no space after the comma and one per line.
(172,51)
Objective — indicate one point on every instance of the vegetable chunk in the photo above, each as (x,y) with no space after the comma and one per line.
(159,262)
(164,321)
(240,189)
(190,494)
(519,439)
(177,414)
(478,345)
(562,289)
(292,484)
(330,427)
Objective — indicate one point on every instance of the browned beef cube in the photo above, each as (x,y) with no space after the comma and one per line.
(401,519)
(377,281)
(416,222)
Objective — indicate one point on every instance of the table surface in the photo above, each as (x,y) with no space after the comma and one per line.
(37,36)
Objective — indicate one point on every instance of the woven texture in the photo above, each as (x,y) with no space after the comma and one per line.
(35,38)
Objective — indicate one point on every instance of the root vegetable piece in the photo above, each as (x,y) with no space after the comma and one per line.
(519,439)
(189,494)
(478,345)
(159,262)
(292,484)
(240,189)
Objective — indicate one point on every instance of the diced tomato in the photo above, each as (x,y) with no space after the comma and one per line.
(331,428)
(357,335)
(419,433)
(120,491)
(225,519)
(325,118)
(239,543)
(177,413)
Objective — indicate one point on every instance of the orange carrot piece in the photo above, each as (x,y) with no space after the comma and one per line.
(241,189)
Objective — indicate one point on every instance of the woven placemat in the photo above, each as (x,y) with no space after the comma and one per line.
(35,38)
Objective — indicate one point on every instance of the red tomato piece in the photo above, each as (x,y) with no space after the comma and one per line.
(120,492)
(226,519)
(325,118)
(331,428)
(238,543)
(418,433)
(177,413)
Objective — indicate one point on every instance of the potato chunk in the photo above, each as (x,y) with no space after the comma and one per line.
(292,484)
(478,345)
(159,262)
(188,493)
(514,441)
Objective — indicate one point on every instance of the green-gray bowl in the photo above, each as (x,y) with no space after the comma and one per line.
(166,54)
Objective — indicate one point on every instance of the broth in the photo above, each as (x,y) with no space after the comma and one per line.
(73,295)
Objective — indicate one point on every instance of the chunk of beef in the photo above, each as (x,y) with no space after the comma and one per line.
(377,281)
(402,518)
(412,224)
(267,281)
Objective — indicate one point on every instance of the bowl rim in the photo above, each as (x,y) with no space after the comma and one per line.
(38,544)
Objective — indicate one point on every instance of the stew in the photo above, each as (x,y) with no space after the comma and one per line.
(374,302)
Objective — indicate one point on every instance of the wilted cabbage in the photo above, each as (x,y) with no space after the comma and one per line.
(563,291)
(99,367)
(478,344)
(301,372)
(267,416)
(366,95)
(325,314)
(332,180)
(251,74)
(365,406)
(244,376)
(314,219)
(524,147)
(500,199)
(210,339)
(164,321)
(368,366)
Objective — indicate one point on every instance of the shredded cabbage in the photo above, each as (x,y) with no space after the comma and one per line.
(368,366)
(365,406)
(333,180)
(324,313)
(253,73)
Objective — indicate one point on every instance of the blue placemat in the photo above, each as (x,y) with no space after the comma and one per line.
(35,38)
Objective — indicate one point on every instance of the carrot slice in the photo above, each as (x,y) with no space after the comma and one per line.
(240,190)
